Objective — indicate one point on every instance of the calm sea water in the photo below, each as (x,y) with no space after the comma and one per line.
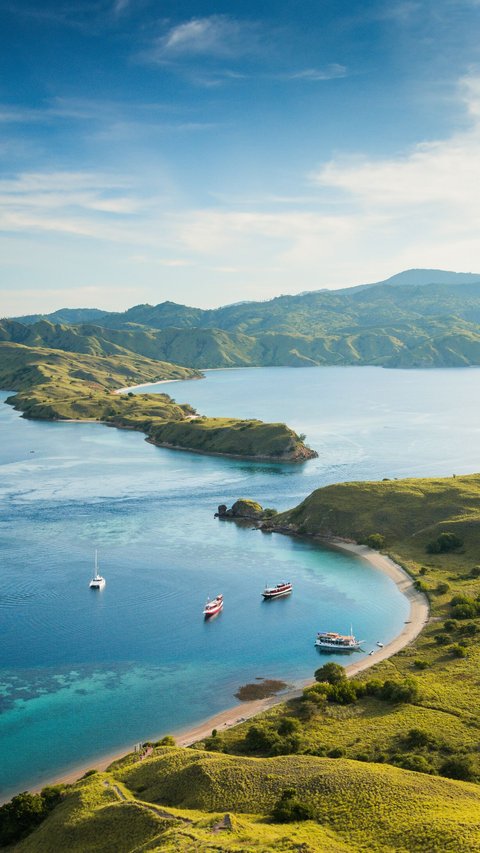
(82,673)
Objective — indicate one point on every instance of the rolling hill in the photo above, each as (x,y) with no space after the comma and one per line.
(418,318)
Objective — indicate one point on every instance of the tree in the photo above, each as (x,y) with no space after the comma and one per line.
(375,541)
(20,816)
(333,673)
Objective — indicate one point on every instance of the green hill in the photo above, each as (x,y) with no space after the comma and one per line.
(408,513)
(176,800)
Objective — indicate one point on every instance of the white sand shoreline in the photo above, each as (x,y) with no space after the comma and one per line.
(149,385)
(418,617)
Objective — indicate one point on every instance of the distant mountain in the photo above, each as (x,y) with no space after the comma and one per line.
(65,315)
(405,321)
(420,277)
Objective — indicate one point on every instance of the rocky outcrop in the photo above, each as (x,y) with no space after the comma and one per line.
(242,508)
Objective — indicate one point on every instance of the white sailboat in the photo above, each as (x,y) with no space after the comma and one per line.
(97,582)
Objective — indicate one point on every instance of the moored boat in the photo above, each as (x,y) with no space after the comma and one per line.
(213,607)
(97,582)
(283,588)
(329,641)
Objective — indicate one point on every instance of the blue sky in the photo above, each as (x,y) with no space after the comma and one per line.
(213,152)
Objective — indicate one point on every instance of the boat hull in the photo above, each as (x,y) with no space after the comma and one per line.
(268,595)
(209,613)
(337,649)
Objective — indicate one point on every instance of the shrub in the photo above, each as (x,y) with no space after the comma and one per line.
(458,651)
(450,625)
(412,761)
(375,541)
(288,726)
(458,767)
(442,588)
(399,691)
(444,543)
(469,630)
(417,738)
(336,752)
(464,607)
(475,572)
(332,673)
(420,664)
(343,693)
(269,512)
(168,740)
(289,808)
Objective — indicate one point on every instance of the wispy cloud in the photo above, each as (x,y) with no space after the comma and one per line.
(217,37)
(330,72)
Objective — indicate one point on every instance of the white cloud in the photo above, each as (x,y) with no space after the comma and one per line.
(362,219)
(215,36)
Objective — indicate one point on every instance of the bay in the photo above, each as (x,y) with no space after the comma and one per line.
(84,674)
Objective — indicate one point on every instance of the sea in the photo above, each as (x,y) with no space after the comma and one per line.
(84,673)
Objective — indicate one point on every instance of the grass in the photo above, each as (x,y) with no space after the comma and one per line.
(53,384)
(174,800)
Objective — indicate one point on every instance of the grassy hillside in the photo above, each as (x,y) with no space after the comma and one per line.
(424,342)
(408,513)
(436,728)
(53,384)
(176,800)
(227,436)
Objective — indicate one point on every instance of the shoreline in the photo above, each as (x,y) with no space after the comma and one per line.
(418,618)
(151,384)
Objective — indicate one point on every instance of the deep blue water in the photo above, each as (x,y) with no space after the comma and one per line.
(84,673)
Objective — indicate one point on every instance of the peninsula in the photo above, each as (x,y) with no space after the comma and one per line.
(61,385)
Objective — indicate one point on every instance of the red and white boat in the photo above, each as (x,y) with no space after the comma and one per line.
(283,588)
(213,607)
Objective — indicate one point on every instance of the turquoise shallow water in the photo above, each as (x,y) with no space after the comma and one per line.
(82,674)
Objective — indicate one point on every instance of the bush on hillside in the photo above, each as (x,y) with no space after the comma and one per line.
(289,808)
(459,767)
(413,761)
(375,541)
(332,673)
(444,544)
(25,812)
(464,607)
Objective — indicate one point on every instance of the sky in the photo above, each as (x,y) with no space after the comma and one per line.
(213,152)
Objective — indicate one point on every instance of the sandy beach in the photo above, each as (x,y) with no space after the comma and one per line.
(418,617)
(148,385)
